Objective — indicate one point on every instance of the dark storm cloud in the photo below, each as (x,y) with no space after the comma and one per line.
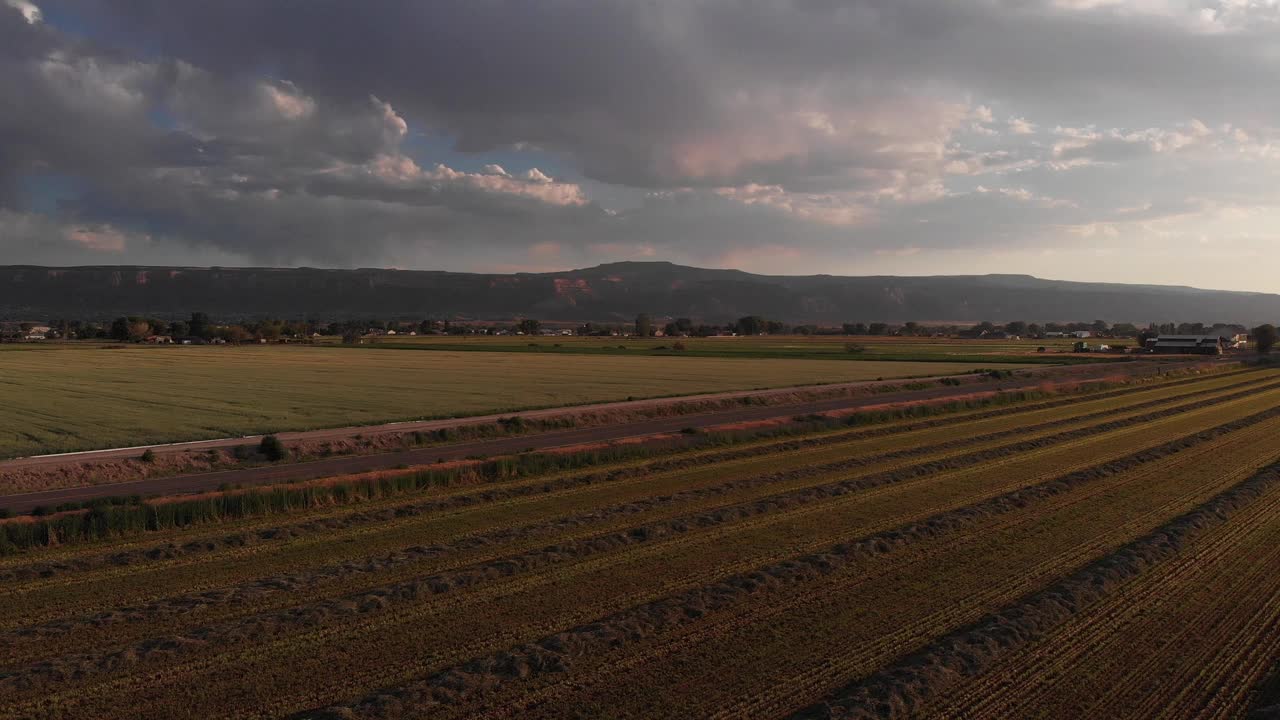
(620,85)
(280,132)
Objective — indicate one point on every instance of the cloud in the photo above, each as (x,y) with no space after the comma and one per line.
(99,239)
(710,132)
(27,9)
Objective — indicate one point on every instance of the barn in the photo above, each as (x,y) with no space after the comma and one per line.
(1187,345)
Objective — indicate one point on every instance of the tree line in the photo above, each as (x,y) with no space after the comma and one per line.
(200,326)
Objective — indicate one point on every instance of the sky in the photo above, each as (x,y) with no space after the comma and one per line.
(1103,140)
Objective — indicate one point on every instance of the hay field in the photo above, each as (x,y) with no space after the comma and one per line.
(1107,555)
(65,397)
(814,347)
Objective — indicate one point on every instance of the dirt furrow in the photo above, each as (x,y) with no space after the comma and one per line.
(556,653)
(245,594)
(906,688)
(170,551)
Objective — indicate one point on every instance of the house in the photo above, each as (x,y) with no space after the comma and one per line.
(1082,334)
(189,340)
(1233,336)
(158,340)
(1055,334)
(1187,345)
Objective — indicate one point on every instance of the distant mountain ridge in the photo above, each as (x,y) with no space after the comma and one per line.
(606,293)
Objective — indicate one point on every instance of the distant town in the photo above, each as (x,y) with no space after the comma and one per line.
(199,329)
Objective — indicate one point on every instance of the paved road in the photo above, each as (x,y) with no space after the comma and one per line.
(507,445)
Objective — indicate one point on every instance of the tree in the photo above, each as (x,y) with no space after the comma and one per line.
(854,328)
(120,328)
(529,326)
(236,334)
(878,329)
(1017,327)
(272,449)
(750,325)
(199,325)
(911,328)
(644,325)
(269,330)
(139,329)
(681,326)
(1264,338)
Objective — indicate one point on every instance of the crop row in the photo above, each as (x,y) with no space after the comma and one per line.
(354,646)
(411,562)
(108,519)
(1187,640)
(776,651)
(667,496)
(659,559)
(1035,419)
(909,685)
(559,651)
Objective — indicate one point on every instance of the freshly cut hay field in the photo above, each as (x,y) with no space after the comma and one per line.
(1081,557)
(77,398)
(834,347)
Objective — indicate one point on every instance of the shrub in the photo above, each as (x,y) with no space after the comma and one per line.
(272,449)
(679,345)
(148,456)
(514,423)
(242,452)
(854,348)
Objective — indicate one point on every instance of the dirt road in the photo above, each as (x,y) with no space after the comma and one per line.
(24,502)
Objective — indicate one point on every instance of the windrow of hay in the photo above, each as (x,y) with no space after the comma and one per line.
(904,689)
(110,518)
(560,652)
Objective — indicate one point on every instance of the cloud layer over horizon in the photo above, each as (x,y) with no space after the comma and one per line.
(1118,140)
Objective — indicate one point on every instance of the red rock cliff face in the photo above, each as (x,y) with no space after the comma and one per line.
(569,290)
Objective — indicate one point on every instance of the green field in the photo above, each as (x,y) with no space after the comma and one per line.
(68,397)
(1094,555)
(816,347)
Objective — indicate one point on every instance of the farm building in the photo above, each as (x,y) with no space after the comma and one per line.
(1187,345)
